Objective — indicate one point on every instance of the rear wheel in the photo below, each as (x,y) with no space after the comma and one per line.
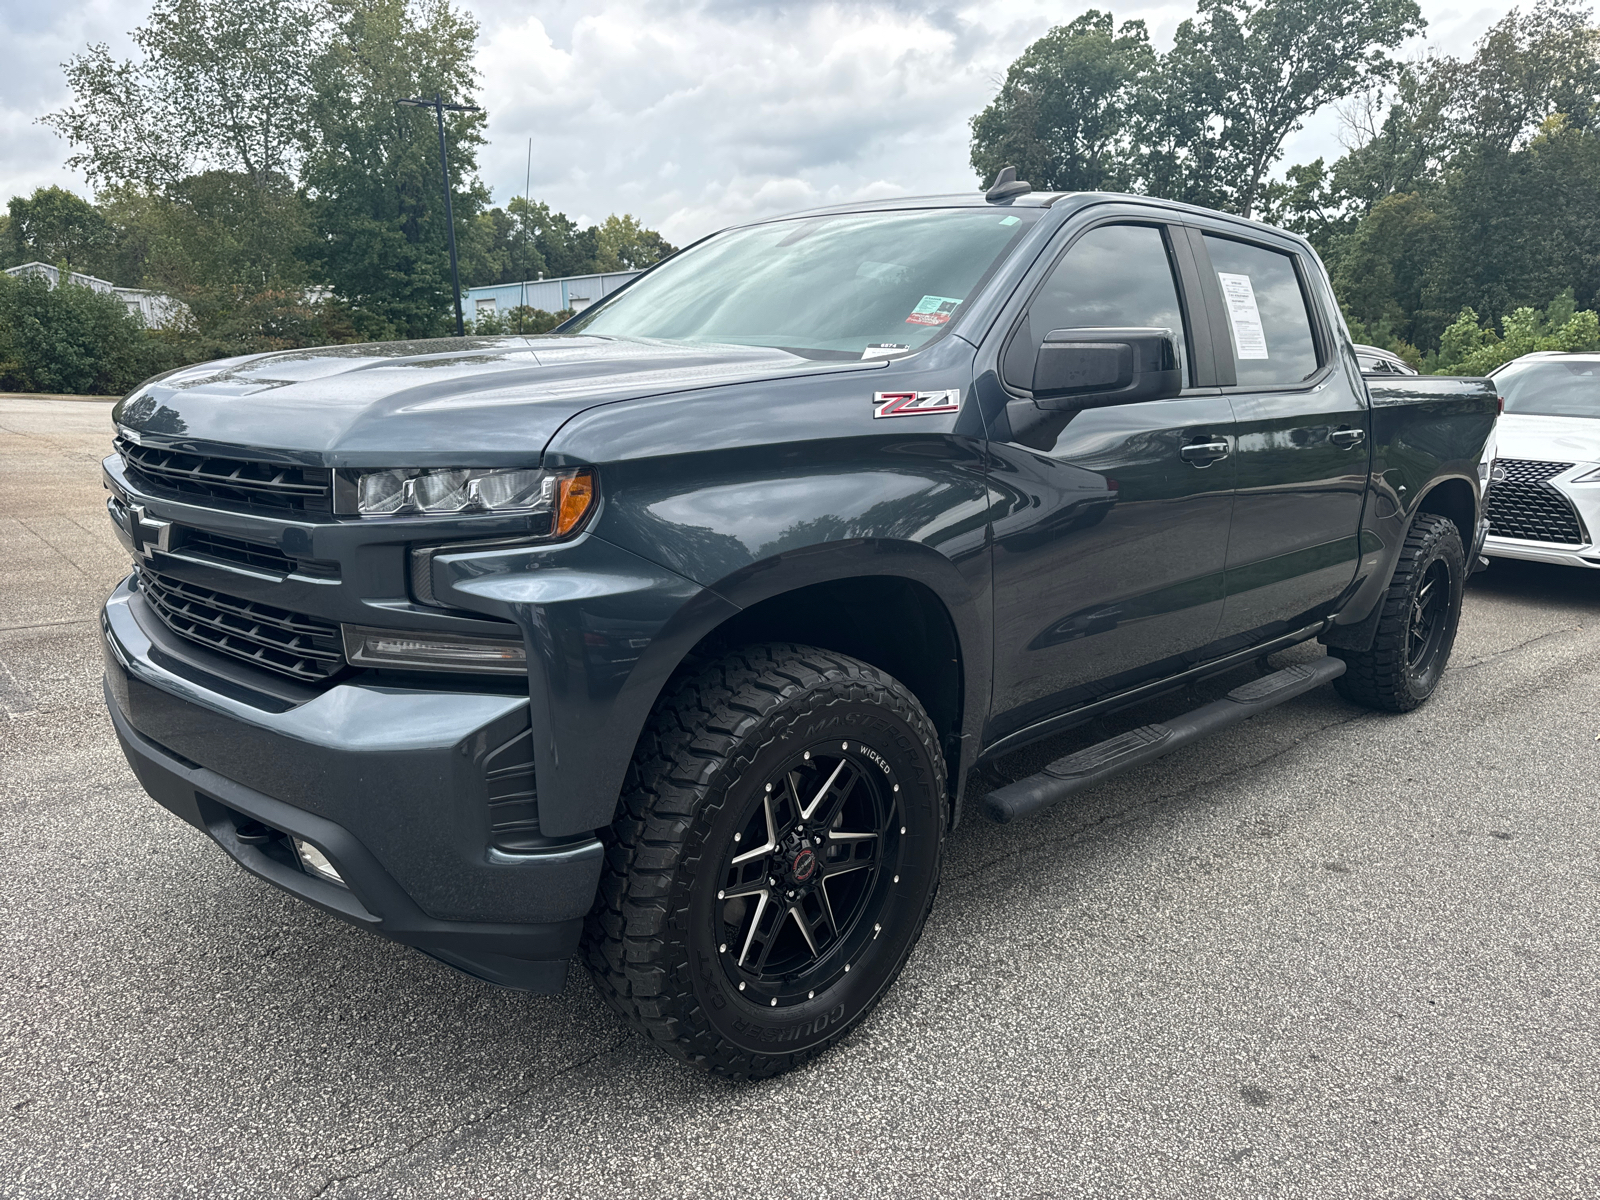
(776,858)
(1417,627)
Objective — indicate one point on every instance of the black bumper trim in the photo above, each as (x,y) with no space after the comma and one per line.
(528,957)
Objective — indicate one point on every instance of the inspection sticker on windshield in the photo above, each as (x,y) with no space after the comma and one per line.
(915,404)
(933,310)
(1249,339)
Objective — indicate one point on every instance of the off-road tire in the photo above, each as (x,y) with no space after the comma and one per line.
(650,942)
(1385,677)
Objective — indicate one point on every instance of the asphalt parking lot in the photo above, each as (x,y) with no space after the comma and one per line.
(1328,953)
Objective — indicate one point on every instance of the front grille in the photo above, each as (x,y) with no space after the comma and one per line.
(289,643)
(1522,503)
(218,547)
(236,480)
(513,799)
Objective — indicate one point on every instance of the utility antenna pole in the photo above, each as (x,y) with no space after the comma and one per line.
(439,108)
(527,186)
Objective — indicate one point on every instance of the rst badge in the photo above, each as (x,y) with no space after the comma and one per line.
(915,404)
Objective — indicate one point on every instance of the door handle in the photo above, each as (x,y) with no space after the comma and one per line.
(1345,438)
(1203,454)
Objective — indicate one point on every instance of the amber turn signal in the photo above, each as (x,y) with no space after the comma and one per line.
(574,497)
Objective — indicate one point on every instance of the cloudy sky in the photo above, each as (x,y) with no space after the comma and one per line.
(690,114)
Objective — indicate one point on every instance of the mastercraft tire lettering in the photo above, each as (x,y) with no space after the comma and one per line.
(775,859)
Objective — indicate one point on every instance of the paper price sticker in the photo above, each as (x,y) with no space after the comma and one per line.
(933,310)
(1249,339)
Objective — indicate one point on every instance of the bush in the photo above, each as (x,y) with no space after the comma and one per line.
(520,319)
(71,339)
(1466,348)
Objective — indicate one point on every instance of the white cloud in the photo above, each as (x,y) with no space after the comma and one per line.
(690,114)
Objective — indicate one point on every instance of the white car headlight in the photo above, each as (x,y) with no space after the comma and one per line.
(1587,477)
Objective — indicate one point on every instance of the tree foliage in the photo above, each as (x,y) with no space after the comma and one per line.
(1066,114)
(70,339)
(251,162)
(219,84)
(1089,106)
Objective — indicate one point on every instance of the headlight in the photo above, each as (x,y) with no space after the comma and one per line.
(1587,477)
(441,491)
(420,650)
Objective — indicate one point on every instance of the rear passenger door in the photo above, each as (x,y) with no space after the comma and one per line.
(1301,422)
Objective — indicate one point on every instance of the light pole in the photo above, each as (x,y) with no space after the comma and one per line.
(439,107)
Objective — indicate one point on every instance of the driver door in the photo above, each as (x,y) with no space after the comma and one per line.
(1111,526)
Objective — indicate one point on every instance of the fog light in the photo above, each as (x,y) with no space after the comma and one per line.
(406,649)
(315,862)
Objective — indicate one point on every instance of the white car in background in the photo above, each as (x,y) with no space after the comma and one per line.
(1544,483)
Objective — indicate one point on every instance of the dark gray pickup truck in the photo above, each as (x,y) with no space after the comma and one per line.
(671,638)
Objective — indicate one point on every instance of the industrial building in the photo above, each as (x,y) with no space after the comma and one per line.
(153,308)
(576,292)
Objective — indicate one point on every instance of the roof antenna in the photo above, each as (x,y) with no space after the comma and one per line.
(1006,185)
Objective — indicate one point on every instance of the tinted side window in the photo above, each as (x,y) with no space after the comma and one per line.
(1117,275)
(1267,319)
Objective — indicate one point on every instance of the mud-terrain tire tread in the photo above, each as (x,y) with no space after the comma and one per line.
(695,744)
(1377,678)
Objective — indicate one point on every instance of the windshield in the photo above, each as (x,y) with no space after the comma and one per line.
(858,285)
(1551,389)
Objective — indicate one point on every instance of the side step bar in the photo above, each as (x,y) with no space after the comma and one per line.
(1085,769)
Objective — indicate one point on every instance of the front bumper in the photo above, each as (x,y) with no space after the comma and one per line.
(388,782)
(1545,552)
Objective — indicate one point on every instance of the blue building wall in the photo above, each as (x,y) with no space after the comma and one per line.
(551,295)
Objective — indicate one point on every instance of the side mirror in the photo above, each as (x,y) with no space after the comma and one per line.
(1095,368)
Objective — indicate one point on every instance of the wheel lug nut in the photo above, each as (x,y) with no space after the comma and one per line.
(791,893)
(722,949)
(741,985)
(774,1002)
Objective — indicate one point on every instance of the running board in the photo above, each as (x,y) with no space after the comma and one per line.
(1079,772)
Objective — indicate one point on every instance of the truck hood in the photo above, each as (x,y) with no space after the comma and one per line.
(430,403)
(1548,439)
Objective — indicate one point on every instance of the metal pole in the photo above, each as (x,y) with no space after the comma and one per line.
(449,216)
(527,185)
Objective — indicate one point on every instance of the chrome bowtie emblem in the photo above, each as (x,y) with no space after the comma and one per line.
(148,533)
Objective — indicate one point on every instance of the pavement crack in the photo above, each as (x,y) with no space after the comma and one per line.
(1522,645)
(481,1118)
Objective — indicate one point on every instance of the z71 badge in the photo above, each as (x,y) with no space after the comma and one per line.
(915,404)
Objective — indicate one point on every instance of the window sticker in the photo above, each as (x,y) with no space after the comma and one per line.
(1009,220)
(883,349)
(1249,339)
(933,310)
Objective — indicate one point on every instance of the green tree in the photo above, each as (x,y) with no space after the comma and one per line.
(372,170)
(219,84)
(55,226)
(1242,76)
(1064,117)
(622,244)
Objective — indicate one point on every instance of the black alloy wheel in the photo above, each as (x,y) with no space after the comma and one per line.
(817,854)
(775,858)
(1416,622)
(1430,613)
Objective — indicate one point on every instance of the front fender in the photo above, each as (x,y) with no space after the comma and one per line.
(604,629)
